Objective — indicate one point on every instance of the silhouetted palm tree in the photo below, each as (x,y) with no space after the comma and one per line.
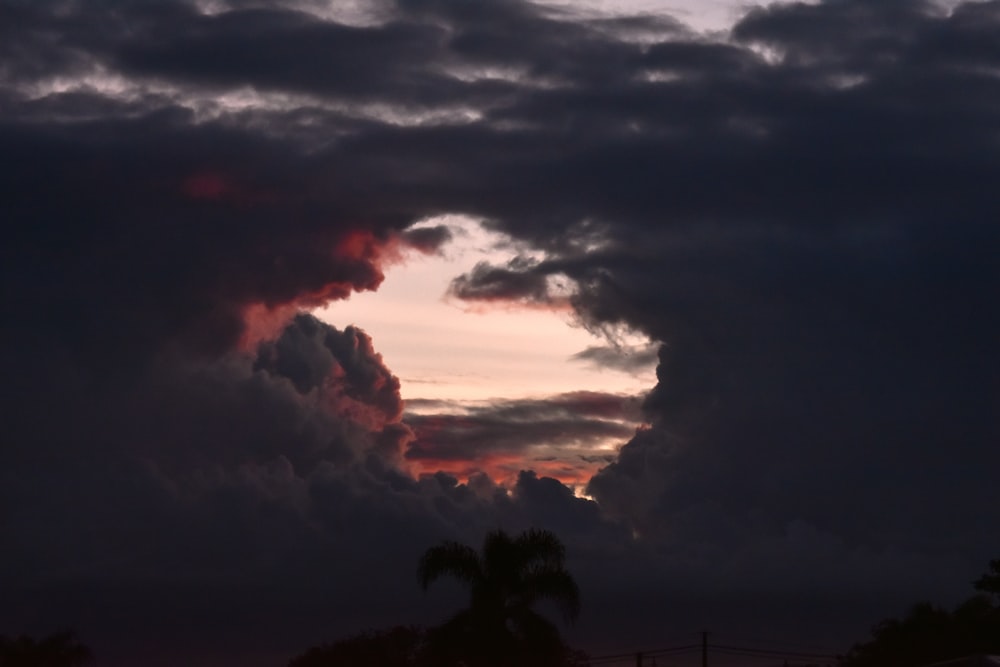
(505,581)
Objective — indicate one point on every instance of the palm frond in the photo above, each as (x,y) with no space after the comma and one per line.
(557,585)
(990,581)
(449,559)
(542,545)
(502,560)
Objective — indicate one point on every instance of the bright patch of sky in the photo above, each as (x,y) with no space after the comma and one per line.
(445,349)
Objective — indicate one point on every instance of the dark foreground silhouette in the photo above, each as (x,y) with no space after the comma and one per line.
(929,633)
(510,574)
(402,646)
(59,650)
(499,627)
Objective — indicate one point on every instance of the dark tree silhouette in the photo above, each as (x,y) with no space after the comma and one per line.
(398,647)
(506,580)
(59,650)
(989,583)
(929,633)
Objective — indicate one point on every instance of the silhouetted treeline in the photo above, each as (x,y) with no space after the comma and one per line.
(58,650)
(398,647)
(411,646)
(499,628)
(930,633)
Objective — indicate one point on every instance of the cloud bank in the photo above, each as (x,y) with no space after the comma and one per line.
(799,212)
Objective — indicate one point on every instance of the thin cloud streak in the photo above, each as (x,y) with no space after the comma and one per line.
(567,437)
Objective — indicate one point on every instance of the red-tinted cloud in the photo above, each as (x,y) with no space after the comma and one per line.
(361,256)
(215,186)
(206,185)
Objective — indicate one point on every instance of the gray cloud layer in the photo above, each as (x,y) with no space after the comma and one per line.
(802,214)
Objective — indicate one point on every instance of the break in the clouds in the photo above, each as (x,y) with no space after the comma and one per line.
(566,437)
(801,212)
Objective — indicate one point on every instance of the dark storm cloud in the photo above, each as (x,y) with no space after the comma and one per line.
(514,283)
(427,239)
(629,358)
(218,493)
(802,215)
(267,47)
(248,435)
(846,346)
(309,351)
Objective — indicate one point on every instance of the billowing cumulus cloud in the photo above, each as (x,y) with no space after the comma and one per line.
(800,213)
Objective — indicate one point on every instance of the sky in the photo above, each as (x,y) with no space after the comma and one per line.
(295,290)
(456,358)
(442,347)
